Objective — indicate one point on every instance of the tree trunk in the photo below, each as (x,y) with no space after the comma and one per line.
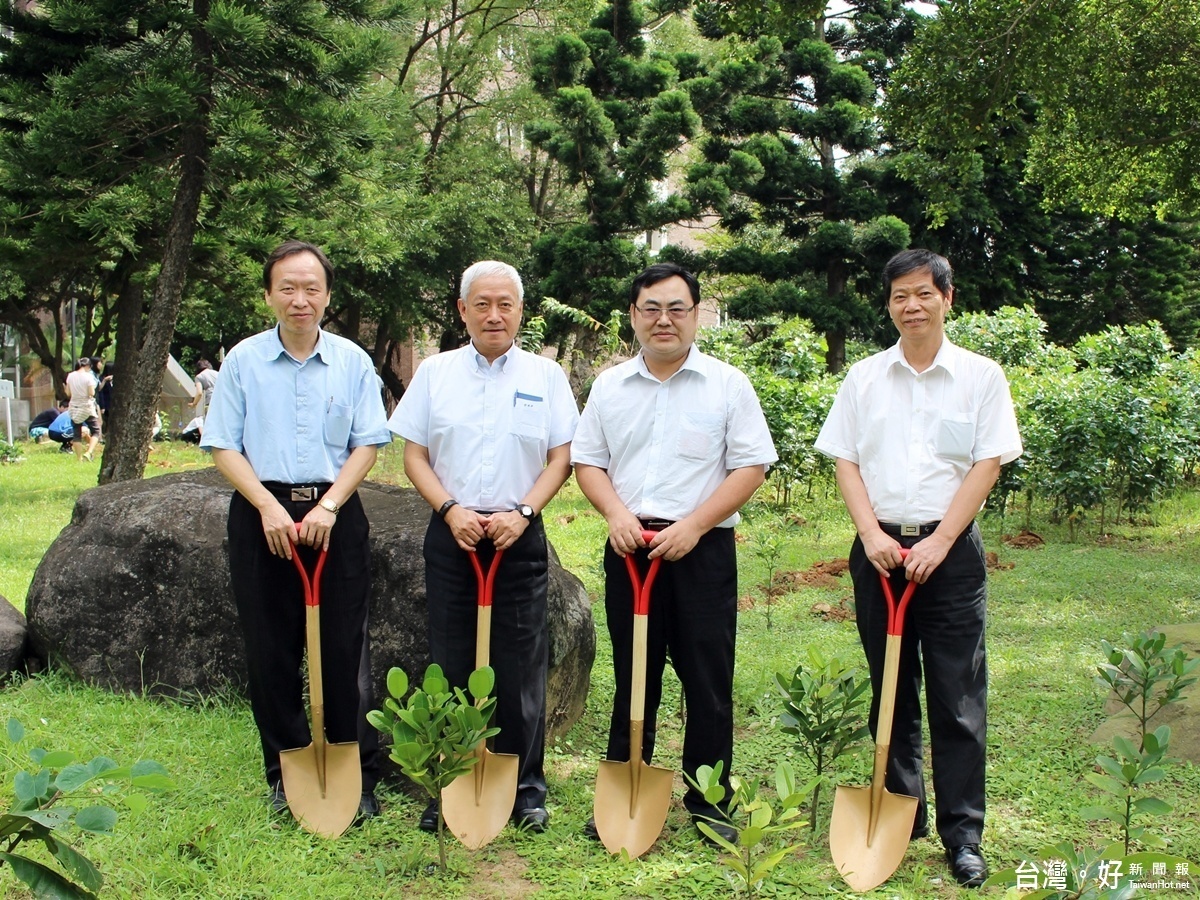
(125,454)
(131,297)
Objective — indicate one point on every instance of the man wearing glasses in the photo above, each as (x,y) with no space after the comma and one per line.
(674,441)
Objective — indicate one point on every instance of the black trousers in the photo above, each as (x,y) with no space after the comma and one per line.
(944,634)
(520,645)
(270,604)
(693,615)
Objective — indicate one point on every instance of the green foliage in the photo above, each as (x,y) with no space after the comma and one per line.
(750,862)
(10,453)
(436,732)
(823,709)
(1145,675)
(37,816)
(1123,775)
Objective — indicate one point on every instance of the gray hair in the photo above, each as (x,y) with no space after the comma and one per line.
(487,268)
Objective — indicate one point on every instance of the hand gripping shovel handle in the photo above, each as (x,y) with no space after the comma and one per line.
(887,706)
(316,685)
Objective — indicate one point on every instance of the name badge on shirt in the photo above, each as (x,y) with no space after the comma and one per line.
(529,415)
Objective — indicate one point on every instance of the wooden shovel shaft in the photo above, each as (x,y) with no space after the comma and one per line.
(883,728)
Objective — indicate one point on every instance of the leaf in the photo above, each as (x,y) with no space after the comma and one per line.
(397,682)
(25,787)
(44,881)
(57,759)
(136,802)
(76,864)
(16,731)
(481,681)
(97,819)
(154,782)
(1096,813)
(1152,806)
(147,767)
(73,777)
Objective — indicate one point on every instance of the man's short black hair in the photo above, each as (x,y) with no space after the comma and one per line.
(291,248)
(661,272)
(913,260)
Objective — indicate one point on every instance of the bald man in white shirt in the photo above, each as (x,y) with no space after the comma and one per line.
(919,432)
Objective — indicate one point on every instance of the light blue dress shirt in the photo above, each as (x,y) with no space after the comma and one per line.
(296,422)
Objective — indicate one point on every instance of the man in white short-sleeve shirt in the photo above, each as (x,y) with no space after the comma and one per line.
(487,432)
(674,441)
(919,432)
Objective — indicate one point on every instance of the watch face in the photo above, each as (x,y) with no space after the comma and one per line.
(526,510)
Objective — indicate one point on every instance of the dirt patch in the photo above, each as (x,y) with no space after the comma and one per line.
(503,879)
(1026,540)
(823,573)
(842,611)
(994,564)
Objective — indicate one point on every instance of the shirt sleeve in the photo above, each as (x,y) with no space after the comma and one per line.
(410,418)
(564,414)
(838,437)
(368,426)
(996,433)
(747,438)
(225,421)
(590,447)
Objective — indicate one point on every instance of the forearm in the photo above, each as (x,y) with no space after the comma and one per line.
(355,469)
(420,472)
(556,472)
(732,494)
(854,495)
(969,498)
(598,488)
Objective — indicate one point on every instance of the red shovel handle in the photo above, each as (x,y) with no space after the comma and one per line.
(485,583)
(641,591)
(896,610)
(312,587)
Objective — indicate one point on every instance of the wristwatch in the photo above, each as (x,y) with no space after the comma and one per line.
(526,512)
(326,503)
(445,507)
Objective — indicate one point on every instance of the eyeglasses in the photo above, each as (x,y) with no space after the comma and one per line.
(652,313)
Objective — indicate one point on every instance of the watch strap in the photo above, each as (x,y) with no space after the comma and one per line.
(445,507)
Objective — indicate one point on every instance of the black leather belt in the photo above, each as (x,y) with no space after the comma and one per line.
(656,524)
(297,492)
(909,529)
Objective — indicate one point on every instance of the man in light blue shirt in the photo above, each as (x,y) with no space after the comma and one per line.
(295,423)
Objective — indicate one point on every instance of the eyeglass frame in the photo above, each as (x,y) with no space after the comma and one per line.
(654,313)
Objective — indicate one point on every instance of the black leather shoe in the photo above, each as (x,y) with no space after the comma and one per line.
(967,864)
(368,807)
(589,830)
(534,819)
(429,818)
(728,832)
(277,799)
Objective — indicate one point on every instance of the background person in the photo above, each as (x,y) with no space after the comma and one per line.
(81,388)
(674,441)
(206,380)
(41,423)
(62,430)
(919,432)
(295,423)
(487,432)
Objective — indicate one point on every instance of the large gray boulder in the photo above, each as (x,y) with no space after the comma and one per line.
(12,638)
(134,594)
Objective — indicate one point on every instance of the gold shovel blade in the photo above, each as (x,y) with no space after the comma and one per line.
(477,804)
(863,863)
(330,813)
(625,820)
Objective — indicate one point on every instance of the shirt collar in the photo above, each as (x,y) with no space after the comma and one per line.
(272,347)
(946,358)
(481,362)
(694,362)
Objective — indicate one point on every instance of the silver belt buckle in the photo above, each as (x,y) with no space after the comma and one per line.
(910,530)
(308,493)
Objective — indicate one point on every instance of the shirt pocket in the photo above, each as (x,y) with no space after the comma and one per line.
(338,417)
(531,416)
(701,436)
(956,437)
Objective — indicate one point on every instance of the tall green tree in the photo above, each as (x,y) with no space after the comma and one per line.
(792,144)
(616,117)
(138,123)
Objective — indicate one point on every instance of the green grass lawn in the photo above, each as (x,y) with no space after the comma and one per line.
(213,836)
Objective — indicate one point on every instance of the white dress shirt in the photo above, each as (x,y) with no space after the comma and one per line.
(668,445)
(914,436)
(488,428)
